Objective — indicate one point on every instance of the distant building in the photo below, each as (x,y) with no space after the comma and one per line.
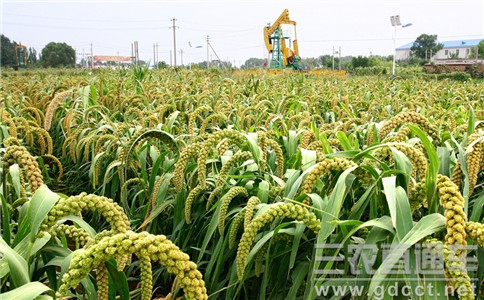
(452,49)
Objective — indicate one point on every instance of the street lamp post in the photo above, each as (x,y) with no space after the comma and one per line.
(395,20)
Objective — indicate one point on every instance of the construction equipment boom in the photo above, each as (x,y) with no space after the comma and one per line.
(21,56)
(282,56)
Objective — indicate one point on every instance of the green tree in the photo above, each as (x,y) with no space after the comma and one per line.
(426,44)
(58,55)
(254,63)
(478,51)
(360,62)
(32,57)
(7,52)
(325,61)
(162,65)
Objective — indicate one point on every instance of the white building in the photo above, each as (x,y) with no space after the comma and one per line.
(452,49)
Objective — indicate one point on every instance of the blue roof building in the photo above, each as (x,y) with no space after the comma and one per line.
(452,49)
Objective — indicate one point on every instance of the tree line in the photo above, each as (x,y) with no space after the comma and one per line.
(64,56)
(52,55)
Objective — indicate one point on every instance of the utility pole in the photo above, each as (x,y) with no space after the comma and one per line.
(92,58)
(208,45)
(154,56)
(136,53)
(339,63)
(333,58)
(133,58)
(157,55)
(181,55)
(174,27)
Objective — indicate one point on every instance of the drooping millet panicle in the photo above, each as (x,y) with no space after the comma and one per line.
(215,193)
(72,138)
(475,231)
(400,137)
(307,138)
(155,247)
(102,280)
(153,199)
(204,151)
(110,210)
(48,159)
(20,155)
(455,239)
(233,135)
(146,277)
(12,128)
(163,109)
(224,206)
(11,141)
(294,119)
(321,168)
(223,146)
(207,147)
(237,222)
(123,261)
(250,209)
(97,168)
(194,194)
(318,147)
(306,122)
(124,187)
(101,140)
(452,123)
(416,156)
(151,121)
(139,116)
(276,191)
(278,210)
(237,158)
(262,142)
(418,196)
(67,123)
(475,158)
(185,155)
(346,125)
(279,156)
(121,168)
(56,101)
(193,117)
(212,118)
(78,235)
(457,175)
(74,144)
(22,126)
(141,135)
(370,134)
(38,114)
(409,117)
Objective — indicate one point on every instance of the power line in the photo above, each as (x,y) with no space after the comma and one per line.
(80,20)
(384,39)
(83,28)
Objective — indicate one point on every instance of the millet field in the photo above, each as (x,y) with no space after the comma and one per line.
(177,184)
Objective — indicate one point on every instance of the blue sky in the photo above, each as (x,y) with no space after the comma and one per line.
(235,27)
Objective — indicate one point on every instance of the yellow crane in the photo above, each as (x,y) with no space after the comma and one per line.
(282,56)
